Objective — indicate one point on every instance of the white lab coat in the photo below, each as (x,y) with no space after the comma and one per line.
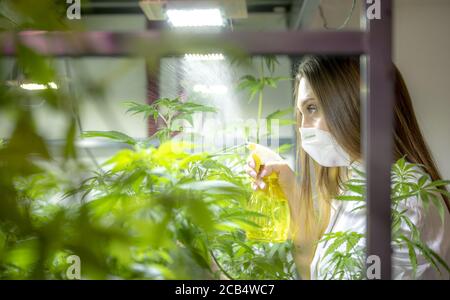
(433,232)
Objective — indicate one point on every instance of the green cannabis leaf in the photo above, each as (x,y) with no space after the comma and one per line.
(408,182)
(171,112)
(256,86)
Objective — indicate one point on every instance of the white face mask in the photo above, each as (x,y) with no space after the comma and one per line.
(323,148)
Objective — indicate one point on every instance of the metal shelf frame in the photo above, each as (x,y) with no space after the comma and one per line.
(375,44)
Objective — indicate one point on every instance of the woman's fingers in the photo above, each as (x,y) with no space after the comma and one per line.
(251,172)
(261,184)
(251,162)
(257,181)
(254,186)
(280,167)
(258,184)
(268,169)
(265,171)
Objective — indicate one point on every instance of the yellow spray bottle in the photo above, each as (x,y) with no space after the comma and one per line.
(270,202)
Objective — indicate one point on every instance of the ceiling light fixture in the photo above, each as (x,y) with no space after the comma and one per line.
(32,86)
(195,17)
(157,10)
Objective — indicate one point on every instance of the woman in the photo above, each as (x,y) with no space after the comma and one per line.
(328,121)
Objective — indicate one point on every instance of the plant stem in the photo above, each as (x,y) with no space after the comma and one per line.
(258,124)
(220,267)
(262,67)
(162,117)
(260,101)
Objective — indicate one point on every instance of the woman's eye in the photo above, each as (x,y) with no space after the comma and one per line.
(311,108)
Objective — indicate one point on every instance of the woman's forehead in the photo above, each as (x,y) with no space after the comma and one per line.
(304,91)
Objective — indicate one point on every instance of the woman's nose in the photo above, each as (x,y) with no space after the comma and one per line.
(306,123)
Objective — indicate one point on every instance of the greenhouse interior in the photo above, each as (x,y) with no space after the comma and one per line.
(224,139)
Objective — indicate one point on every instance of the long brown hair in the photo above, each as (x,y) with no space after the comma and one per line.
(335,82)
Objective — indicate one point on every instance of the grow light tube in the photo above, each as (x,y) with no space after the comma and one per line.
(38,86)
(202,57)
(32,86)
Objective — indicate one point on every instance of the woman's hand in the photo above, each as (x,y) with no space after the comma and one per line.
(271,162)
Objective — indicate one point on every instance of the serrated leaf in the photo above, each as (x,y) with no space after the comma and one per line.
(437,183)
(280,113)
(439,206)
(334,246)
(113,135)
(412,257)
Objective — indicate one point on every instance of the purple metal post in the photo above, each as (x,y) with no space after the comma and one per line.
(153,79)
(378,137)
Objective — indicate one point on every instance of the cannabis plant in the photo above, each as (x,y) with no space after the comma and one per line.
(345,255)
(183,207)
(161,211)
(255,86)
